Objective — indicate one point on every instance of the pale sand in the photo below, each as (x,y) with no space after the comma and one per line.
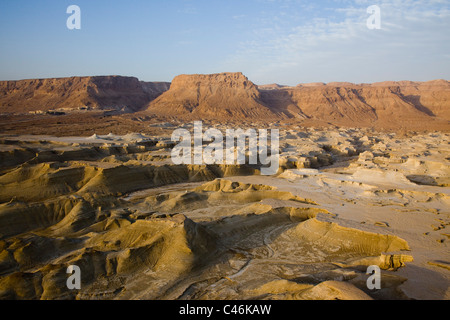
(140,227)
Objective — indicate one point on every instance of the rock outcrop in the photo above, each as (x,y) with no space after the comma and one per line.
(215,96)
(102,92)
(142,228)
(403,105)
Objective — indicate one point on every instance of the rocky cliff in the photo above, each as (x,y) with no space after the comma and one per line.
(386,104)
(101,92)
(215,96)
(232,96)
(224,96)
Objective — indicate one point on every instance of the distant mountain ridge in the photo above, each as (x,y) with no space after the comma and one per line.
(364,104)
(232,96)
(216,96)
(228,96)
(97,92)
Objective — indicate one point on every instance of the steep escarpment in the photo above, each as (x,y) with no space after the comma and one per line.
(431,97)
(215,96)
(100,92)
(406,104)
(225,96)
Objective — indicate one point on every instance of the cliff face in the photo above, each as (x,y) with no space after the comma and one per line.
(432,97)
(387,104)
(231,96)
(77,92)
(321,103)
(215,96)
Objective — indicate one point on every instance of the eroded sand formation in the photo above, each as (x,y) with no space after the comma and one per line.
(140,227)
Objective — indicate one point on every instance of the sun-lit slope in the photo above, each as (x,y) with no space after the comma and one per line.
(215,96)
(140,227)
(100,92)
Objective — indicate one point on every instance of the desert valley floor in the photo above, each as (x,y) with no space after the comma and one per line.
(141,227)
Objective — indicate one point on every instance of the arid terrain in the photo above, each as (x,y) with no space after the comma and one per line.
(87,179)
(100,105)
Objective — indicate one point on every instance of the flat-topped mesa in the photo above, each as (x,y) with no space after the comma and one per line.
(312,84)
(214,96)
(430,97)
(99,92)
(272,86)
(395,83)
(234,80)
(411,105)
(439,83)
(389,104)
(341,84)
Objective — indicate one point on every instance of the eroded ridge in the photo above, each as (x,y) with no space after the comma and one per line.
(217,240)
(140,227)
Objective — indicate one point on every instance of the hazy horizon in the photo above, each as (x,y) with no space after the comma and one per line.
(270,41)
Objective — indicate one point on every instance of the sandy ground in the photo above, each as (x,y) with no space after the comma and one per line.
(140,227)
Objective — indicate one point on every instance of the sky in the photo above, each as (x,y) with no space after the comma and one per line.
(270,41)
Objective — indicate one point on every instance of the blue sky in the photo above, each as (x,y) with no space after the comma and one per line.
(282,41)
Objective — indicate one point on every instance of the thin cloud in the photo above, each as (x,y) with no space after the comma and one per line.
(409,29)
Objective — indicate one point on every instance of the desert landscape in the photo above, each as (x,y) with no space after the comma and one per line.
(87,179)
